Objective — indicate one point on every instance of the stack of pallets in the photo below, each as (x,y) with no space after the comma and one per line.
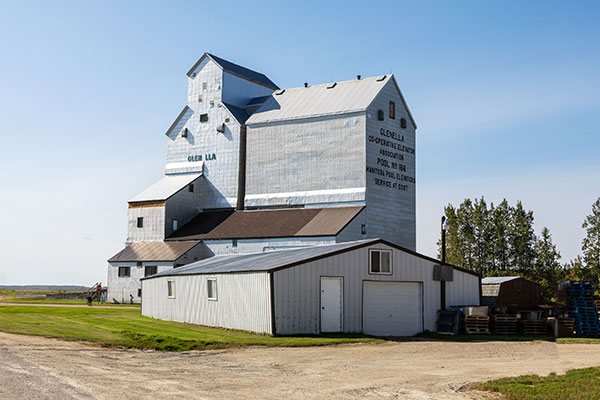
(582,308)
(505,324)
(448,322)
(477,325)
(565,327)
(535,327)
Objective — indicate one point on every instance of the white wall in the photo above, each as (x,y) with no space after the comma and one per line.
(391,213)
(219,247)
(238,91)
(317,160)
(243,301)
(297,293)
(183,206)
(120,288)
(153,225)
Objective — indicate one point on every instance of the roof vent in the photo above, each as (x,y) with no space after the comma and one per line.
(280,92)
(332,85)
(358,77)
(305,84)
(184,133)
(382,78)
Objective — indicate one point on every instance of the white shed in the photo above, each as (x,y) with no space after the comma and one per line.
(370,286)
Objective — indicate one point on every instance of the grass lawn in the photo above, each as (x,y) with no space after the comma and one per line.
(127,328)
(574,385)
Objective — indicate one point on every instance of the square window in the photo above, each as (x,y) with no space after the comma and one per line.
(175,224)
(191,188)
(204,85)
(392,110)
(139,292)
(203,117)
(380,115)
(150,270)
(171,289)
(124,272)
(211,288)
(403,123)
(140,222)
(380,261)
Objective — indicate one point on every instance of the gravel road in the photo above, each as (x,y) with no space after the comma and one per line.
(41,368)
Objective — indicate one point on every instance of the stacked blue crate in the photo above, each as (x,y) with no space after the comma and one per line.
(582,308)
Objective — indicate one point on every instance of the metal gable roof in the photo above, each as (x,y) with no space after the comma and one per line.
(153,251)
(238,70)
(166,187)
(261,261)
(494,280)
(320,100)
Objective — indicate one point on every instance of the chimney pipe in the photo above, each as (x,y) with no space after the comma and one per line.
(305,84)
(358,77)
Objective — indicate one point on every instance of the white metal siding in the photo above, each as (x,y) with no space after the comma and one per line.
(218,247)
(153,225)
(238,91)
(297,289)
(391,212)
(243,301)
(318,160)
(120,288)
(463,290)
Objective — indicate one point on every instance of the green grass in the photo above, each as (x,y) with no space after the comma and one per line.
(576,384)
(16,296)
(126,328)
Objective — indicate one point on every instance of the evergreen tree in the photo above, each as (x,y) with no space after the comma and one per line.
(547,271)
(500,220)
(591,242)
(482,238)
(521,238)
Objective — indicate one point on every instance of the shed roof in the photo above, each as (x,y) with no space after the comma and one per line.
(289,222)
(153,251)
(279,259)
(319,100)
(236,69)
(494,280)
(166,187)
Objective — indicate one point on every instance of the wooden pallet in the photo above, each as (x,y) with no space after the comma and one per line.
(505,324)
(535,327)
(477,325)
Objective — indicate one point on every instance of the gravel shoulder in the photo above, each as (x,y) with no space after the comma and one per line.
(41,368)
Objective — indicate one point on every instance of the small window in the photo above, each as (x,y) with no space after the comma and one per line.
(175,224)
(380,115)
(199,98)
(139,292)
(203,117)
(191,188)
(363,229)
(150,270)
(380,262)
(171,289)
(140,222)
(124,272)
(392,110)
(138,264)
(234,243)
(212,103)
(403,123)
(204,85)
(211,288)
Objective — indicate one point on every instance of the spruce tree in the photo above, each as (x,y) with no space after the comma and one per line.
(591,242)
(547,271)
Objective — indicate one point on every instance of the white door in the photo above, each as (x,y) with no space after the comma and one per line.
(332,304)
(392,308)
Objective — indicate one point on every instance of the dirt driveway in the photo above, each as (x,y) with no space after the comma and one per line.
(39,368)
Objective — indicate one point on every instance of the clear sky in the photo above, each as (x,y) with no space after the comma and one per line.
(506,96)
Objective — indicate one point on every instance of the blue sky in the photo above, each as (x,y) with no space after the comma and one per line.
(506,96)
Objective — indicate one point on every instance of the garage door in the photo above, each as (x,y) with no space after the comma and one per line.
(392,308)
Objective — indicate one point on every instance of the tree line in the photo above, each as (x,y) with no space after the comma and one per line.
(499,240)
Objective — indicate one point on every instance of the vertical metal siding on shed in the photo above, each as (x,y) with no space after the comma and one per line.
(463,290)
(243,301)
(297,294)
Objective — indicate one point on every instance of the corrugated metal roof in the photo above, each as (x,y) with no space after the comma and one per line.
(236,70)
(261,261)
(238,113)
(345,97)
(166,187)
(492,280)
(290,222)
(153,251)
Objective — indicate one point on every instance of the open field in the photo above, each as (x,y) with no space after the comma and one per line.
(126,328)
(40,368)
(39,297)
